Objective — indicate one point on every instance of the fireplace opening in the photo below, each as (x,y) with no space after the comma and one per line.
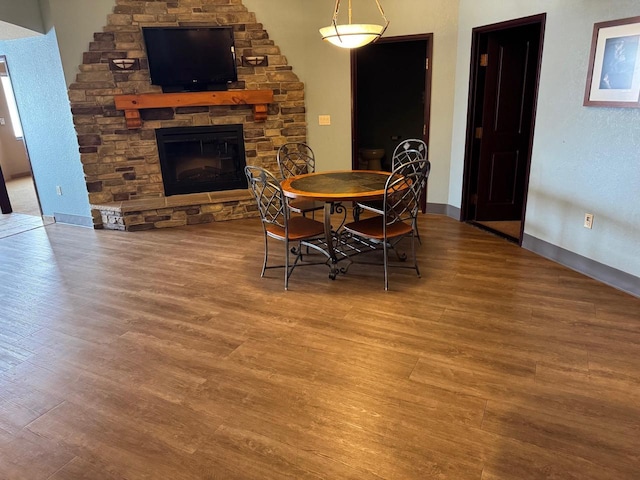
(201,159)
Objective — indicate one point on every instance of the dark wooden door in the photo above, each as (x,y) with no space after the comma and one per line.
(505,133)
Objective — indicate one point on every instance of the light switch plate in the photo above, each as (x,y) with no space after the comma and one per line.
(324,119)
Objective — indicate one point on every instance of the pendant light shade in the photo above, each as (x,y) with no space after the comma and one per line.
(353,35)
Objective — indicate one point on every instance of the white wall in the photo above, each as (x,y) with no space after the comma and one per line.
(325,70)
(20,18)
(293,26)
(585,159)
(75,22)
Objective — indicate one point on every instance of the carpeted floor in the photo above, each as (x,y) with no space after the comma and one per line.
(22,195)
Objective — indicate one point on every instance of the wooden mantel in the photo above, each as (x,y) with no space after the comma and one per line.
(132,104)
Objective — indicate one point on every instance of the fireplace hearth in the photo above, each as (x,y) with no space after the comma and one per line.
(201,159)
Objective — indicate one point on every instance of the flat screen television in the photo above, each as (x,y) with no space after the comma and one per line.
(191,58)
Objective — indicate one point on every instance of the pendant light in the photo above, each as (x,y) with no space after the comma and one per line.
(353,35)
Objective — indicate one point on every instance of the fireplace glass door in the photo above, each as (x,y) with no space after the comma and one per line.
(201,159)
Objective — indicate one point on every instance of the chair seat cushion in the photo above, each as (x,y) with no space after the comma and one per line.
(305,205)
(374,228)
(300,228)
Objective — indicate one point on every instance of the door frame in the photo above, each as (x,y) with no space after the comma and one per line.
(474,104)
(426,37)
(5,201)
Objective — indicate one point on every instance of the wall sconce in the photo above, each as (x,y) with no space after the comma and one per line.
(124,63)
(255,61)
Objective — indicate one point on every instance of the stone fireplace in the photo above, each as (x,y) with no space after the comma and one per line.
(125,175)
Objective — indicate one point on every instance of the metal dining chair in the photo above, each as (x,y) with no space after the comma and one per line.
(406,151)
(279,225)
(297,158)
(403,153)
(399,216)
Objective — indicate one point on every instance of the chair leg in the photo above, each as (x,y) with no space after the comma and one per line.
(266,254)
(413,252)
(286,264)
(386,265)
(356,212)
(415,229)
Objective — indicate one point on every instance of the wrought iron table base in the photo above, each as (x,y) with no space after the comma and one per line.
(339,245)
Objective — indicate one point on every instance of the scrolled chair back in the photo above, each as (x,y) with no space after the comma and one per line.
(268,194)
(295,158)
(419,148)
(403,188)
(407,156)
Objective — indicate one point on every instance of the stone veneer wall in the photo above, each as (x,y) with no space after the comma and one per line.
(121,166)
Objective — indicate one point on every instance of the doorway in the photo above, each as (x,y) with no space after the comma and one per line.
(506,60)
(17,189)
(390,91)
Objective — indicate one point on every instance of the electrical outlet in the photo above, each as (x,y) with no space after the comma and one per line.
(58,189)
(588,220)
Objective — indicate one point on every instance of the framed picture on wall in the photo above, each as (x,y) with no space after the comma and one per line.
(613,79)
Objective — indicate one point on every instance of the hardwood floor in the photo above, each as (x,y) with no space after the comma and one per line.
(164,355)
(15,223)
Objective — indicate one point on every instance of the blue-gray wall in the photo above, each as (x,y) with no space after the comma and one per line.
(584,159)
(20,18)
(41,95)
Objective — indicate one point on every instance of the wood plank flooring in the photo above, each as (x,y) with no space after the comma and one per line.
(164,355)
(15,223)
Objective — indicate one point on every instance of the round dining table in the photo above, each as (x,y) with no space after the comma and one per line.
(333,187)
